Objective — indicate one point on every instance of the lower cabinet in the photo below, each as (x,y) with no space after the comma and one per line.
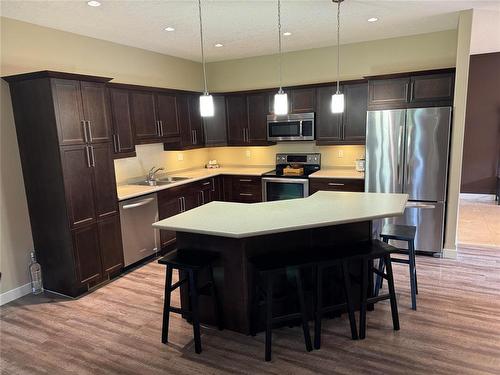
(336,184)
(110,241)
(243,189)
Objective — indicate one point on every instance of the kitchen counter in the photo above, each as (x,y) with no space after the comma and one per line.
(323,208)
(347,173)
(127,191)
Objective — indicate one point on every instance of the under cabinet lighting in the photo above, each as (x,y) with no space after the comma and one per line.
(287,33)
(169,28)
(218,45)
(373,19)
(93,3)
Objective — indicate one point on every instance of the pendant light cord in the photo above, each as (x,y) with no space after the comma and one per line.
(338,47)
(202,51)
(279,44)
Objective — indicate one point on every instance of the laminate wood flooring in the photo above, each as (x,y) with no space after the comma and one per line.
(116,330)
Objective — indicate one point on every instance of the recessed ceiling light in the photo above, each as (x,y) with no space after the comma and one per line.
(373,19)
(287,33)
(169,28)
(218,45)
(93,3)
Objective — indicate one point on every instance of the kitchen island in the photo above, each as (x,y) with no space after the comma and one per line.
(237,231)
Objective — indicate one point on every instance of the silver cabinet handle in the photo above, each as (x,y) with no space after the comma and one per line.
(115,141)
(213,184)
(192,137)
(195,137)
(202,197)
(244,137)
(245,180)
(89,125)
(88,155)
(158,128)
(138,204)
(85,136)
(118,142)
(93,156)
(161,127)
(206,183)
(183,204)
(248,135)
(246,194)
(180,204)
(335,184)
(300,127)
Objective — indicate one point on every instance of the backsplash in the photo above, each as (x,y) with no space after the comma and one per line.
(154,155)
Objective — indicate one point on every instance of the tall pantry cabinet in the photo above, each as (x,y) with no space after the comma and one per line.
(63,124)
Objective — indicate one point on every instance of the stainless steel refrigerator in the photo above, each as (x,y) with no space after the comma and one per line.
(407,152)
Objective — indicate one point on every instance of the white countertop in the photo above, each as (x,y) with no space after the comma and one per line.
(338,173)
(323,208)
(132,191)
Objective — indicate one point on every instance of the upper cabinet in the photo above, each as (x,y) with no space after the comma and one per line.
(166,107)
(409,91)
(348,127)
(237,119)
(144,119)
(257,110)
(96,111)
(189,124)
(214,128)
(123,132)
(303,100)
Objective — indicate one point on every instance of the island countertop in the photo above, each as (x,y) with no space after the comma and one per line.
(323,208)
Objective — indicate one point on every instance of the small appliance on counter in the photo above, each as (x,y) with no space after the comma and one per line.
(290,179)
(360,164)
(212,164)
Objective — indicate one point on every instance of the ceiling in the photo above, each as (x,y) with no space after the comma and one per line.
(245,28)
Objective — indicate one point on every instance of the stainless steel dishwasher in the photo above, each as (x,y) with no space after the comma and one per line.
(140,239)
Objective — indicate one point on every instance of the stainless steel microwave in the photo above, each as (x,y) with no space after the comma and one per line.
(293,127)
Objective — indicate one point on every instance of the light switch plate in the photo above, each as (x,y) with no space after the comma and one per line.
(340,154)
(180,156)
(248,153)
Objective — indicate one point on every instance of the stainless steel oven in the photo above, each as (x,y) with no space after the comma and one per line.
(293,127)
(280,188)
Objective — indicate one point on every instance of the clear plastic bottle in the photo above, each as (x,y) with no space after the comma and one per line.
(36,275)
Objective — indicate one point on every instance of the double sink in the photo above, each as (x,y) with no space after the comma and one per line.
(160,181)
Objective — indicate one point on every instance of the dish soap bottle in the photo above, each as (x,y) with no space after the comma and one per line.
(35,275)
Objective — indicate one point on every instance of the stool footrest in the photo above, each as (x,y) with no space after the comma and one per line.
(327,309)
(178,310)
(397,260)
(284,318)
(177,284)
(381,297)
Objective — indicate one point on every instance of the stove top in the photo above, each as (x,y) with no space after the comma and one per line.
(309,162)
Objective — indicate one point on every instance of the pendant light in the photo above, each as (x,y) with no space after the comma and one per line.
(281,98)
(206,100)
(338,97)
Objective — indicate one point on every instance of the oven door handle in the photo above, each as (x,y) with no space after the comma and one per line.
(285,180)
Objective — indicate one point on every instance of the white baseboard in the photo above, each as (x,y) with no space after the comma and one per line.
(15,293)
(449,253)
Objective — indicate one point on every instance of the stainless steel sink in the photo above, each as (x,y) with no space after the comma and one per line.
(171,179)
(161,181)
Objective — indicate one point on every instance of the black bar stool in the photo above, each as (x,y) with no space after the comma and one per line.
(321,309)
(401,233)
(268,268)
(191,263)
(368,252)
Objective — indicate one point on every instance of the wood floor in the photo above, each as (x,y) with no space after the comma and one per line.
(116,330)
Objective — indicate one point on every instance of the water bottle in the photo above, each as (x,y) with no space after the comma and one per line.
(36,275)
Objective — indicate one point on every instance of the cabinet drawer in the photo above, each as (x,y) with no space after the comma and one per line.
(244,189)
(336,184)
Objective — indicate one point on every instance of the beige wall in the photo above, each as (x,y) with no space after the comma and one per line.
(26,47)
(458,130)
(418,52)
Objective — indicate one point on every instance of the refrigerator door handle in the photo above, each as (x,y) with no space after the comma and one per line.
(400,146)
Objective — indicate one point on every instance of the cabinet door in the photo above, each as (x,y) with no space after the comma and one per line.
(434,87)
(354,121)
(96,111)
(78,171)
(166,105)
(388,93)
(303,100)
(257,105)
(144,116)
(187,137)
(236,109)
(104,180)
(69,111)
(328,124)
(336,184)
(110,244)
(214,127)
(122,121)
(168,205)
(195,122)
(87,254)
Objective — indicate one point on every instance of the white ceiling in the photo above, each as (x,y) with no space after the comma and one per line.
(245,28)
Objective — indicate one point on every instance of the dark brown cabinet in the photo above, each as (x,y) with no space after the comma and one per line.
(63,124)
(336,184)
(123,132)
(190,124)
(237,121)
(303,100)
(243,189)
(348,127)
(144,121)
(168,124)
(214,128)
(388,92)
(195,121)
(257,109)
(432,87)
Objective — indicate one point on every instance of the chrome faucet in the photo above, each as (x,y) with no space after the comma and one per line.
(151,174)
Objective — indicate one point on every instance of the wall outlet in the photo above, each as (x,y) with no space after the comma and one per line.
(340,154)
(248,153)
(180,156)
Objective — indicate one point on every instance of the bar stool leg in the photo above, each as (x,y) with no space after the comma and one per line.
(319,305)
(379,279)
(392,293)
(413,281)
(269,316)
(415,264)
(364,297)
(195,312)
(350,307)
(216,301)
(303,313)
(166,306)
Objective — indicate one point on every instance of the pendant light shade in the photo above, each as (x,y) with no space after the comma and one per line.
(206,105)
(206,100)
(338,97)
(280,103)
(281,98)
